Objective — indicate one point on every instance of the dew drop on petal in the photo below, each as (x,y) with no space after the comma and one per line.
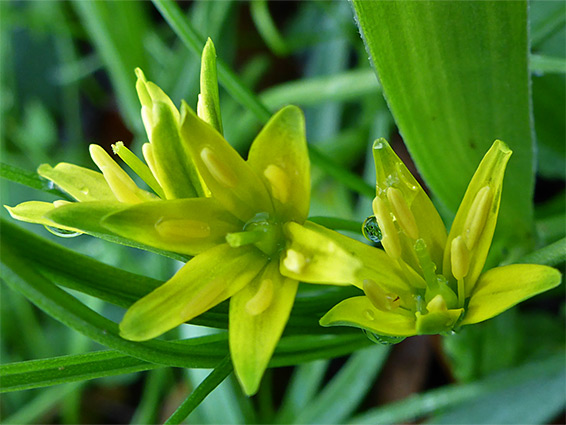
(371,230)
(62,233)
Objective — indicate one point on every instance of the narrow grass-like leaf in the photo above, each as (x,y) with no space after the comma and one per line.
(451,395)
(342,395)
(79,367)
(548,64)
(456,78)
(219,374)
(304,384)
(267,28)
(30,179)
(551,255)
(117,30)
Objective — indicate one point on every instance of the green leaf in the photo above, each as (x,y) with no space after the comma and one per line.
(342,395)
(219,374)
(530,376)
(30,179)
(455,75)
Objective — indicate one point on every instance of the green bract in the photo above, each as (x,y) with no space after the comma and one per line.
(425,282)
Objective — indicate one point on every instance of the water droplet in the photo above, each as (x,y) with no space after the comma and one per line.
(84,190)
(62,233)
(371,230)
(369,314)
(50,185)
(383,339)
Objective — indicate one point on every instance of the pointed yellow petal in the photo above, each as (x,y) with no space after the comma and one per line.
(359,312)
(186,226)
(202,283)
(230,179)
(81,183)
(311,256)
(477,215)
(279,155)
(402,198)
(258,314)
(208,107)
(501,288)
(35,212)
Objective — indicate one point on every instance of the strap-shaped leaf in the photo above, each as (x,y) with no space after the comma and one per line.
(456,78)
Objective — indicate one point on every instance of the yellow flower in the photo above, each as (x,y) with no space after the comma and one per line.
(426,282)
(209,203)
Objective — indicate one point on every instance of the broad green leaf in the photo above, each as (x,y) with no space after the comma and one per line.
(455,75)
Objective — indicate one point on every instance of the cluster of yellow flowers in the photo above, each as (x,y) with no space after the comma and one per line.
(245,223)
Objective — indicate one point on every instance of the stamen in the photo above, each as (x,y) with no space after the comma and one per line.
(294,261)
(460,258)
(218,169)
(182,229)
(262,299)
(138,167)
(390,239)
(121,184)
(402,212)
(238,239)
(279,182)
(384,301)
(477,216)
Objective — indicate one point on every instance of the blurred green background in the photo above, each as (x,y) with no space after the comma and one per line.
(67,80)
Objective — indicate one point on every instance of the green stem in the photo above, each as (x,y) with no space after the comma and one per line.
(216,377)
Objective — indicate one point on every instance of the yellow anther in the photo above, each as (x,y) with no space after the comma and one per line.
(380,299)
(403,213)
(279,182)
(437,304)
(60,202)
(121,184)
(477,216)
(390,237)
(262,299)
(294,261)
(219,171)
(182,229)
(460,257)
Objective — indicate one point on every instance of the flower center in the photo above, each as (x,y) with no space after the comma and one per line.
(263,231)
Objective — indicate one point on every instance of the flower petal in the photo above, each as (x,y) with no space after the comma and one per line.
(81,183)
(34,212)
(187,226)
(477,215)
(401,197)
(338,259)
(170,161)
(311,256)
(279,155)
(202,283)
(208,107)
(86,216)
(359,312)
(258,315)
(501,288)
(230,179)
